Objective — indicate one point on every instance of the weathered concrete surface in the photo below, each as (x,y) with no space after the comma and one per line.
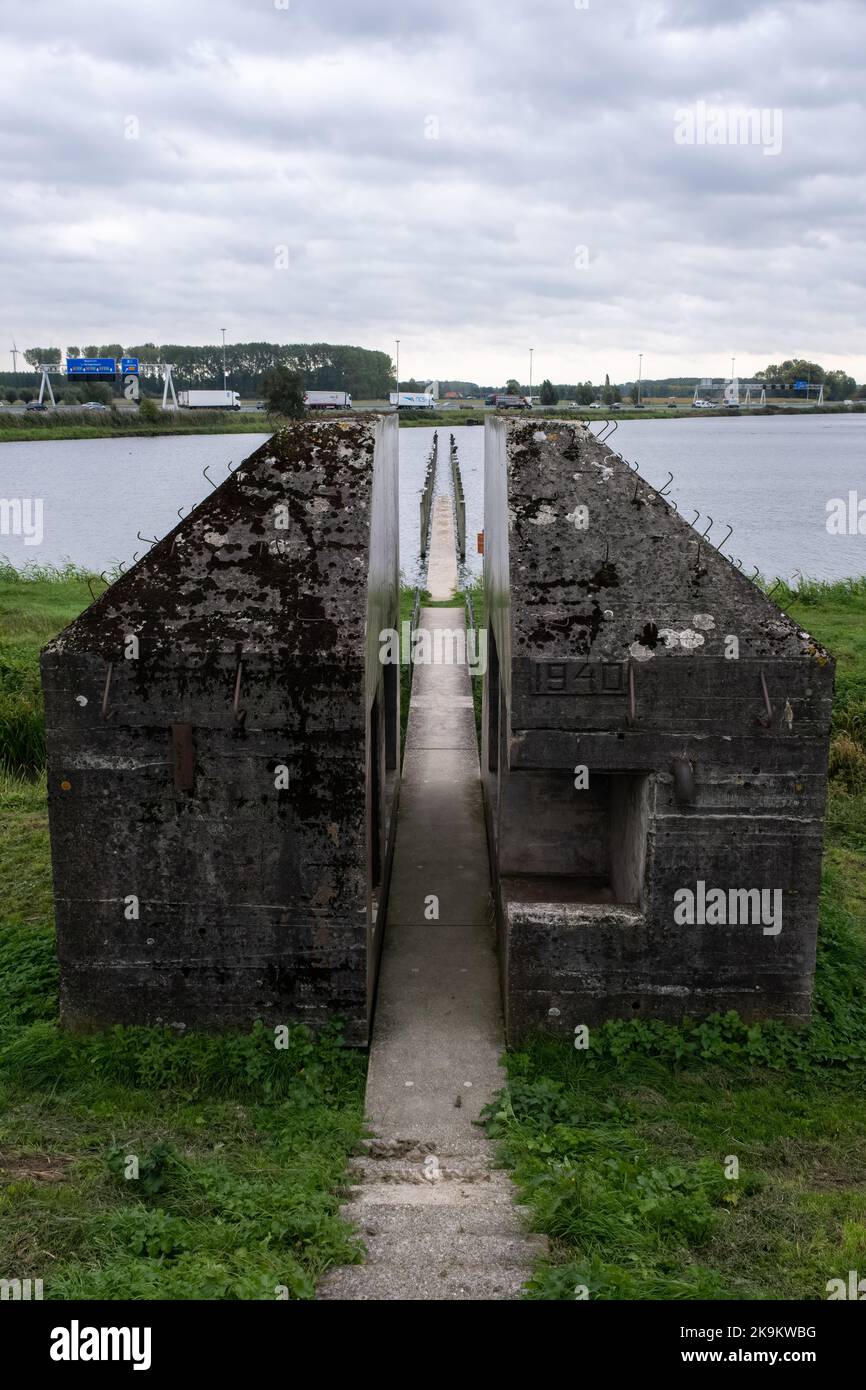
(442,564)
(623,644)
(437,1221)
(219,840)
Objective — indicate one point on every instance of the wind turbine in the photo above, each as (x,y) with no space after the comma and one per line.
(14,356)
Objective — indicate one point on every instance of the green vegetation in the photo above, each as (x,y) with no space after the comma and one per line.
(364,372)
(621,1149)
(283,391)
(240,1145)
(24,428)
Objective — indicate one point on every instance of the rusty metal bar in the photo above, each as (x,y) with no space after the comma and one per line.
(105,711)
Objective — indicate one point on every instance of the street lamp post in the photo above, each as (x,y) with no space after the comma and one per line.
(397,340)
(639,374)
(531,350)
(225,373)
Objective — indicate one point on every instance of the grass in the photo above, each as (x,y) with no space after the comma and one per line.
(240,1147)
(123,423)
(624,1150)
(620,1150)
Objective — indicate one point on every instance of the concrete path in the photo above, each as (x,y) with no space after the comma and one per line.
(438,1222)
(442,562)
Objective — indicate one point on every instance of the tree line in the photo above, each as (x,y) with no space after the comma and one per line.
(364,372)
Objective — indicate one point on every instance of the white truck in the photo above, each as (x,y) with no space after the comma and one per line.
(209,400)
(412,400)
(327,400)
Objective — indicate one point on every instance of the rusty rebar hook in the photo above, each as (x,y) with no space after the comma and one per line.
(725,538)
(662,490)
(694,518)
(704,534)
(105,711)
(238,713)
(140,537)
(771,717)
(205,474)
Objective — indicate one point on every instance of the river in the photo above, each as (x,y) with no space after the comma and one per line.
(769,478)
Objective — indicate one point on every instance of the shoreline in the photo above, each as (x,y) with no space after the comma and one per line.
(247,423)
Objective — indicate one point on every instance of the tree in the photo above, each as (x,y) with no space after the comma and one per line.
(92,350)
(585,393)
(73,352)
(148,409)
(839,386)
(549,394)
(283,391)
(791,370)
(608,394)
(99,391)
(512,388)
(36,356)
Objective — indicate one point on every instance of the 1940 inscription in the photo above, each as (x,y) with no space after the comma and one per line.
(577,677)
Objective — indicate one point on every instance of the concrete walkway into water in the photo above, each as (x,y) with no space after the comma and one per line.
(442,562)
(437,1220)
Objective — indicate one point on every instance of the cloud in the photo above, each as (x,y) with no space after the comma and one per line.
(432,171)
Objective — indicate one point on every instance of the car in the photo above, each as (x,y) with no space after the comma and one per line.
(672,405)
(702,405)
(596,405)
(35,405)
(617,405)
(260,405)
(94,405)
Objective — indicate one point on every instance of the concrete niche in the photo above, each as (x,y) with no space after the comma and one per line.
(223,751)
(654,752)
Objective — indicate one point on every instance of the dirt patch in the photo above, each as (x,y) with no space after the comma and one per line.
(34,1167)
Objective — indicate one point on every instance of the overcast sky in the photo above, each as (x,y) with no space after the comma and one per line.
(475,178)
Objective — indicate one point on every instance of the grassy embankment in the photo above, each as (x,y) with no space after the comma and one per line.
(22,428)
(126,423)
(240,1146)
(655,410)
(620,1150)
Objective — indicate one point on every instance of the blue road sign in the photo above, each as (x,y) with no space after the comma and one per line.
(129,365)
(91,366)
(801,385)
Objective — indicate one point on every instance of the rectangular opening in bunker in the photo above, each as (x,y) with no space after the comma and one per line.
(611,831)
(575,844)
